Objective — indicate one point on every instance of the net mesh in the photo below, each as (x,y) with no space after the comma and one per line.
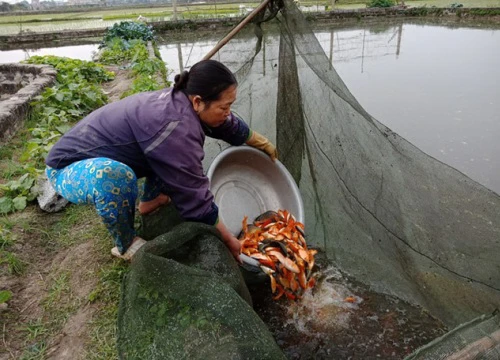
(477,339)
(382,210)
(184,298)
(379,208)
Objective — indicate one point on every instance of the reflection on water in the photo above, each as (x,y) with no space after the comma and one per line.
(342,319)
(436,86)
(421,82)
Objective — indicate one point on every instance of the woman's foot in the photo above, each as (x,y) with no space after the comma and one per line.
(132,249)
(147,207)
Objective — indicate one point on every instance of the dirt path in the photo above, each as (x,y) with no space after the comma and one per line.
(122,82)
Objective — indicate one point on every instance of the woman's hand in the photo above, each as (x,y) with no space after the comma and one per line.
(234,246)
(260,142)
(231,242)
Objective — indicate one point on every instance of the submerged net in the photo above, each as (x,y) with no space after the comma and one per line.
(380,209)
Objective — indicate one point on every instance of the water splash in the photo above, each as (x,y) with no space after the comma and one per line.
(327,307)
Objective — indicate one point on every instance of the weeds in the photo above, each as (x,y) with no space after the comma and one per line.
(381,3)
(6,152)
(15,265)
(103,326)
(6,238)
(35,329)
(36,351)
(78,224)
(11,169)
(485,12)
(11,261)
(60,286)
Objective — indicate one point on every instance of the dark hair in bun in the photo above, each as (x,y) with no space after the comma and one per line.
(181,80)
(207,79)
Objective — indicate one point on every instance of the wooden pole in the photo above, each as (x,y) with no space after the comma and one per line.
(238,27)
(179,55)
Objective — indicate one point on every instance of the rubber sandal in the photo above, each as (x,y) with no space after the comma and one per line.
(136,245)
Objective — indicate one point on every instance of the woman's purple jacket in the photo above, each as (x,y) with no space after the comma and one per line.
(155,133)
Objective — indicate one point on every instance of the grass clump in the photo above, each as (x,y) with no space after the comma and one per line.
(14,264)
(485,12)
(381,3)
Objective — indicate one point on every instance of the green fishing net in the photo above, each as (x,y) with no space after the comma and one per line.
(185,298)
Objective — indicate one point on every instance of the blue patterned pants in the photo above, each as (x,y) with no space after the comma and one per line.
(111,187)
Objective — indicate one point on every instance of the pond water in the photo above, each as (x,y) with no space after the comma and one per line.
(436,86)
(342,319)
(82,52)
(53,26)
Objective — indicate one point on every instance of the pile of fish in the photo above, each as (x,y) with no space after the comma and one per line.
(277,241)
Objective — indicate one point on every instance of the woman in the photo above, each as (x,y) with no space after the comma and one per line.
(157,135)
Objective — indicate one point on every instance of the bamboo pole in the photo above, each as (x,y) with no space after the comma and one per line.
(238,27)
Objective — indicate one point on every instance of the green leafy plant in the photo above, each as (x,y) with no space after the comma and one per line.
(381,3)
(75,94)
(135,55)
(119,51)
(16,194)
(115,52)
(74,69)
(148,67)
(128,30)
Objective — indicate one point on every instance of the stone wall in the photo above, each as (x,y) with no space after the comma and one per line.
(20,83)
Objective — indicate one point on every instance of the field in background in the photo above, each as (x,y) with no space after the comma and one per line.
(212,9)
(20,23)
